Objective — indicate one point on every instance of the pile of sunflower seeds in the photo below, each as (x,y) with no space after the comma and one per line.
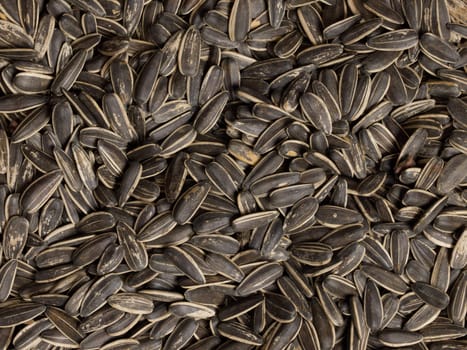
(232,175)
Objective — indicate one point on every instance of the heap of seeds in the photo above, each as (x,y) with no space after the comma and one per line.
(232,175)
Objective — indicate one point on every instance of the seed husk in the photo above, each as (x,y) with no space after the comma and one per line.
(182,334)
(259,278)
(385,278)
(399,338)
(134,251)
(373,306)
(19,313)
(431,295)
(7,278)
(132,303)
(185,263)
(239,333)
(40,191)
(189,202)
(15,236)
(95,297)
(66,324)
(396,40)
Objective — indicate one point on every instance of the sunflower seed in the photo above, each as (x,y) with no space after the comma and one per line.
(210,113)
(189,53)
(385,279)
(19,313)
(147,78)
(393,338)
(134,252)
(396,40)
(260,278)
(132,303)
(66,324)
(182,334)
(239,333)
(69,73)
(15,236)
(100,290)
(7,278)
(185,263)
(431,295)
(192,310)
(438,49)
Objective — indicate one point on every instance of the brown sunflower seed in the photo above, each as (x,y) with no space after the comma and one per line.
(260,278)
(19,313)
